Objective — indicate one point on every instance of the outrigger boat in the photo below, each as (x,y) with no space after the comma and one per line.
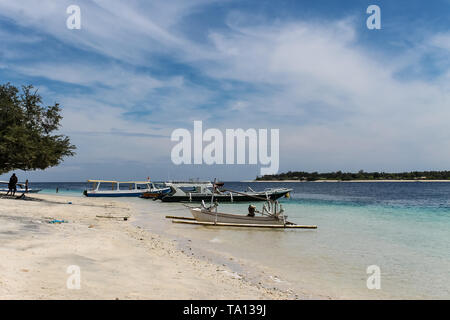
(21,188)
(202,191)
(271,216)
(120,189)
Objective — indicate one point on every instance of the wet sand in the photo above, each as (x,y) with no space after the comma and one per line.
(116,259)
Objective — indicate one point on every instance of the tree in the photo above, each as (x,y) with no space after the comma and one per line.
(26,127)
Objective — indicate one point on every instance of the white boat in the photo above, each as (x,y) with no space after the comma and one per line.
(20,188)
(203,191)
(105,188)
(271,214)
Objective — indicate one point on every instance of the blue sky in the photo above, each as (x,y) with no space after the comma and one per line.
(344,97)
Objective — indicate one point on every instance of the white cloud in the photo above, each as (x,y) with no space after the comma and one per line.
(347,103)
(129,31)
(87,74)
(441,40)
(337,105)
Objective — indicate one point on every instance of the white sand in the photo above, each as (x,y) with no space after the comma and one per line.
(116,259)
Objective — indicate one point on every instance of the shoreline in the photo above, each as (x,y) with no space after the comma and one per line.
(117,258)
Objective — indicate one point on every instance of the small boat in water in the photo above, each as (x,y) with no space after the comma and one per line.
(202,191)
(271,214)
(271,217)
(104,188)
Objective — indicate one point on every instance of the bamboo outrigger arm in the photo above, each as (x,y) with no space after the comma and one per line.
(221,224)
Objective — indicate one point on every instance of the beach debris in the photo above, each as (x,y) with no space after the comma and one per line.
(124,218)
(69,202)
(56,221)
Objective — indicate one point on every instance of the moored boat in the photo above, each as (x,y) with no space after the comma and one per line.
(119,188)
(202,191)
(271,216)
(20,188)
(206,215)
(156,193)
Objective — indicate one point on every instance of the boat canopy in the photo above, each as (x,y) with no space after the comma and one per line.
(106,181)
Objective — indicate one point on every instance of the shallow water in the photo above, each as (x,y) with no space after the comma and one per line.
(404,228)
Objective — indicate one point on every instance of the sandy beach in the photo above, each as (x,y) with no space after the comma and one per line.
(116,259)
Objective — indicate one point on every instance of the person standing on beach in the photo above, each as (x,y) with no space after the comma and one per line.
(12,185)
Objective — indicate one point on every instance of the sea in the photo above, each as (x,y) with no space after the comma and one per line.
(375,240)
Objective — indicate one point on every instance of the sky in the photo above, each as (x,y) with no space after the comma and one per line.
(342,96)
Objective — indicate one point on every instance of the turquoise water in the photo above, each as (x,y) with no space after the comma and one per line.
(404,228)
(61,188)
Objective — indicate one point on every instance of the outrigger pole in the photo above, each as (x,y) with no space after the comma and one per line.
(221,224)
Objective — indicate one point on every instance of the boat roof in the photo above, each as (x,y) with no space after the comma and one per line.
(111,181)
(189,182)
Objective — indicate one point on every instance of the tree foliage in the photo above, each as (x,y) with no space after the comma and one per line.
(27,141)
(360,175)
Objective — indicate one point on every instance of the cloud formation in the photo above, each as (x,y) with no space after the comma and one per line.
(136,68)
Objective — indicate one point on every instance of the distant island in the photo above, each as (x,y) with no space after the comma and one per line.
(358,176)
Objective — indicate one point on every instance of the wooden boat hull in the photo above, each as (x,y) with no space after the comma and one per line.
(156,194)
(226,197)
(203,215)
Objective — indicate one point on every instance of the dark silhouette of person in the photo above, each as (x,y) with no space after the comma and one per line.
(12,185)
(251,211)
